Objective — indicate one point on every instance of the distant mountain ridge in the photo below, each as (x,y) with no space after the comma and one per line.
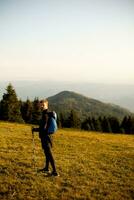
(66,101)
(119,94)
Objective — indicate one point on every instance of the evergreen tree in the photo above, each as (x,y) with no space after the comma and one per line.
(73,120)
(36,113)
(0,111)
(128,125)
(115,125)
(124,124)
(91,123)
(132,125)
(84,125)
(96,124)
(61,120)
(26,111)
(87,124)
(58,122)
(106,125)
(10,106)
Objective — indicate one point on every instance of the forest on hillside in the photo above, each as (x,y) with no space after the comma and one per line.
(13,109)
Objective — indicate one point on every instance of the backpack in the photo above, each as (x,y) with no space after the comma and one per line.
(52,124)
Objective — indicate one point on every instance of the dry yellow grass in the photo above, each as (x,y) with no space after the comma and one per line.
(91,165)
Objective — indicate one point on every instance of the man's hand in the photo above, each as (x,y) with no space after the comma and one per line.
(34,129)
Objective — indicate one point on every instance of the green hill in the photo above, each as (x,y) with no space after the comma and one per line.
(66,101)
(91,165)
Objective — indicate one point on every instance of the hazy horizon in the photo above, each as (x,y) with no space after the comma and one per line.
(119,94)
(76,41)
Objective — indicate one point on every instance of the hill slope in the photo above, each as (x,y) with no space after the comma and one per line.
(120,94)
(66,101)
(91,166)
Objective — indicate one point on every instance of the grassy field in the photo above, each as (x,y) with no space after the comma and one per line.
(91,165)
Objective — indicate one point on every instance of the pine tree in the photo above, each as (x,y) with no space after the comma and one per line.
(60,120)
(10,106)
(106,127)
(128,125)
(87,124)
(115,125)
(96,124)
(36,113)
(132,125)
(26,111)
(0,111)
(74,120)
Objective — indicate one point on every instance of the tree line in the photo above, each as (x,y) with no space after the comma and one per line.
(14,110)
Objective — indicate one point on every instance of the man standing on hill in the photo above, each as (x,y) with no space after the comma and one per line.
(46,138)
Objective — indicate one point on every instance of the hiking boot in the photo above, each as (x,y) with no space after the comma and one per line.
(44,170)
(54,174)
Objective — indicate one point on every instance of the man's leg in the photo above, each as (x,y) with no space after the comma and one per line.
(49,157)
(46,166)
(47,160)
(47,146)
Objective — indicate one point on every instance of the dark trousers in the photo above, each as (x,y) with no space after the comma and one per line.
(47,143)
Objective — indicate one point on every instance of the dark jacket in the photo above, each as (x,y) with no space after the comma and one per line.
(43,125)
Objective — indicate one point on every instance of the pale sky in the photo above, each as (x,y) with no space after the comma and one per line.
(67,40)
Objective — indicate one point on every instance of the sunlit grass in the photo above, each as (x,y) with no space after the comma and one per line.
(91,165)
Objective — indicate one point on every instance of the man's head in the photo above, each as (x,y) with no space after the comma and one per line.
(44,104)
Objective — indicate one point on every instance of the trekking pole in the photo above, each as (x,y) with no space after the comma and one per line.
(34,159)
